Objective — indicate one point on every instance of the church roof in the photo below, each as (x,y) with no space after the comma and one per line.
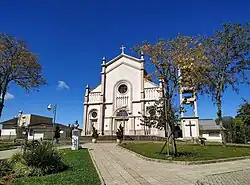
(96,89)
(152,84)
(208,124)
(123,55)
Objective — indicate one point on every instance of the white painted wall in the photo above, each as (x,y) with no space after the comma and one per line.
(212,138)
(186,129)
(123,73)
(37,136)
(8,132)
(24,120)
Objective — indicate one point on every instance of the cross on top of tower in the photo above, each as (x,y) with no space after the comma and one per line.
(122,48)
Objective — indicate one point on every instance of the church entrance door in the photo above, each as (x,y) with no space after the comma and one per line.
(122,118)
(124,123)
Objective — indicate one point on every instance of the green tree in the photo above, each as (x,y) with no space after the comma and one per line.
(227,58)
(229,129)
(18,65)
(243,113)
(239,130)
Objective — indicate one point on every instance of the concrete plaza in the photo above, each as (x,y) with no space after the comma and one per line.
(121,167)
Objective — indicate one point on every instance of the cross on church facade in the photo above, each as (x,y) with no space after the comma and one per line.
(122,48)
(190,127)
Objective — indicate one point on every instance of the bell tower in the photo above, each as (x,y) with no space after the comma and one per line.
(189,123)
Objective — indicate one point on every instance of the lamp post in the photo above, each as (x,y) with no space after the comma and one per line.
(53,108)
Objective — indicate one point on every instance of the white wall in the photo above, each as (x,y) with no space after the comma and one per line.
(8,132)
(37,136)
(186,129)
(24,120)
(127,70)
(212,138)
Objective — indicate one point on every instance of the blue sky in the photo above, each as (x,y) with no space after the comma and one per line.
(71,37)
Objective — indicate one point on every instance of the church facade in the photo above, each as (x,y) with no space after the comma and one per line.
(123,97)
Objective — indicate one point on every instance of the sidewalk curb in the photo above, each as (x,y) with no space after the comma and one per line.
(185,162)
(96,167)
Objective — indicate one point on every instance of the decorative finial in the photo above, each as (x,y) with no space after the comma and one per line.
(122,48)
(87,86)
(142,55)
(103,60)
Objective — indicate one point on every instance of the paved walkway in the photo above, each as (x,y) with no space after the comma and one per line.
(118,166)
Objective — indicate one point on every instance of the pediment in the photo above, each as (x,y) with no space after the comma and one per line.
(115,66)
(122,55)
(96,89)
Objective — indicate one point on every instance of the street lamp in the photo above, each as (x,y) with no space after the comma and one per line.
(53,108)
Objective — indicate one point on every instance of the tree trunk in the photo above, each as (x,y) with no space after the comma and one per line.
(174,146)
(1,107)
(2,102)
(219,114)
(3,92)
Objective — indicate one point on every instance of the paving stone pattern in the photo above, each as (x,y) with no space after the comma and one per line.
(121,167)
(240,177)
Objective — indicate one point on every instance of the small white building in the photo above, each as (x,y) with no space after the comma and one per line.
(210,130)
(40,127)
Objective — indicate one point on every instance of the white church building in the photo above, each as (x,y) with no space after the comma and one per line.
(122,97)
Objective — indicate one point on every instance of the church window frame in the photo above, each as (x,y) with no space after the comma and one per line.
(94,114)
(122,88)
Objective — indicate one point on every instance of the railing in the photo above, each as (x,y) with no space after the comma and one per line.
(151,93)
(122,101)
(94,97)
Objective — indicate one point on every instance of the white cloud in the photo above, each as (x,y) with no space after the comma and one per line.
(62,85)
(9,96)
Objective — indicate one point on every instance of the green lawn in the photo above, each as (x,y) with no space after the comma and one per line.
(81,172)
(188,152)
(7,145)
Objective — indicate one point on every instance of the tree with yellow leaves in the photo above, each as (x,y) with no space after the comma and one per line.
(18,65)
(176,62)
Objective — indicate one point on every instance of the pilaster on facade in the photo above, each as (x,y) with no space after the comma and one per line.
(85,119)
(102,96)
(142,85)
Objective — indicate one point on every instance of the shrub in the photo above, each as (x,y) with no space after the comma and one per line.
(5,168)
(43,159)
(39,159)
(119,132)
